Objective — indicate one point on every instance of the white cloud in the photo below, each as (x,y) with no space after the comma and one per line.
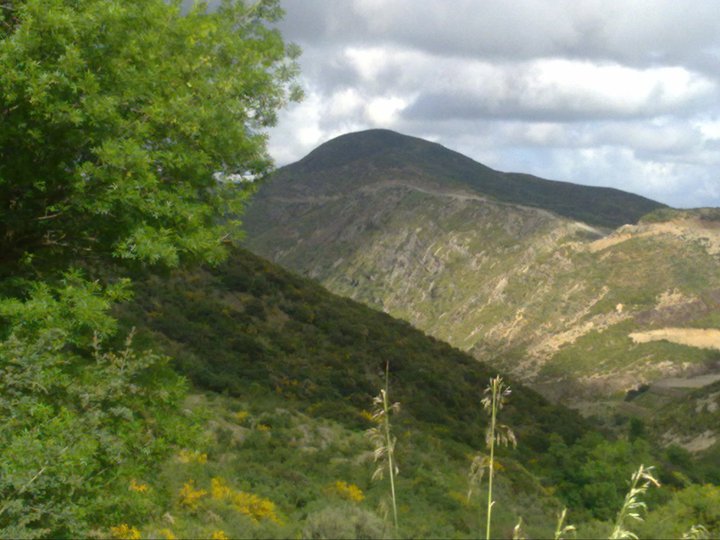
(709,128)
(603,92)
(345,103)
(588,86)
(384,111)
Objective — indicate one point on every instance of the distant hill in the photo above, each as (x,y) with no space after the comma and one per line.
(384,152)
(571,307)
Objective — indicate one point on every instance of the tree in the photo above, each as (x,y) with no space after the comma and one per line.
(127,131)
(126,128)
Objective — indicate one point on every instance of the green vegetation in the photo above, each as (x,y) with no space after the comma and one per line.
(273,342)
(156,381)
(284,452)
(312,477)
(123,124)
(663,215)
(249,325)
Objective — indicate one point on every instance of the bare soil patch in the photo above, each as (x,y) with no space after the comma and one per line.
(694,337)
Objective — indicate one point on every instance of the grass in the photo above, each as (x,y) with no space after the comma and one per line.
(262,470)
(633,505)
(295,467)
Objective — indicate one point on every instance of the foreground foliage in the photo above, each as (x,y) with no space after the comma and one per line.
(123,124)
(126,131)
(78,419)
(300,470)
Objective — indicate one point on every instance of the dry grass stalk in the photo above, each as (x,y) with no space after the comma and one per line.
(561,529)
(496,395)
(384,442)
(518,533)
(696,532)
(642,479)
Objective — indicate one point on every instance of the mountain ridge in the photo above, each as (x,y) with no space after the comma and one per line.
(386,149)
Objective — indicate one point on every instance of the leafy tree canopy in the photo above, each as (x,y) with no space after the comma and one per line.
(126,129)
(126,126)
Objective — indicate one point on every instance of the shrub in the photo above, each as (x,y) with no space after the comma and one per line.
(346,521)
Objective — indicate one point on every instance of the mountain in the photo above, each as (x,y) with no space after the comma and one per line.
(366,157)
(567,287)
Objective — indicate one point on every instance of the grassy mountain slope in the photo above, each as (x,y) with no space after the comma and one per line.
(284,373)
(305,364)
(252,325)
(569,307)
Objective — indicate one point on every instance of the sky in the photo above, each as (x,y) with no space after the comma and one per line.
(597,92)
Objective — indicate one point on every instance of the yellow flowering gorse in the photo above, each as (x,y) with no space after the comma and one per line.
(255,507)
(241,416)
(138,487)
(192,456)
(350,492)
(125,532)
(189,496)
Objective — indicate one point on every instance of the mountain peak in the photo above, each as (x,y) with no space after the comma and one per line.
(355,146)
(378,155)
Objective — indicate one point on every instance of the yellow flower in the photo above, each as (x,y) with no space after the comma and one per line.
(255,507)
(263,427)
(168,534)
(189,496)
(241,416)
(125,532)
(219,490)
(219,535)
(367,415)
(192,456)
(137,486)
(351,492)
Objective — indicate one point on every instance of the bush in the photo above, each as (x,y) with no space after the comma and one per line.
(346,521)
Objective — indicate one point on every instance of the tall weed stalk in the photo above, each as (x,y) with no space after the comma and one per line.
(641,481)
(384,441)
(561,529)
(496,395)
